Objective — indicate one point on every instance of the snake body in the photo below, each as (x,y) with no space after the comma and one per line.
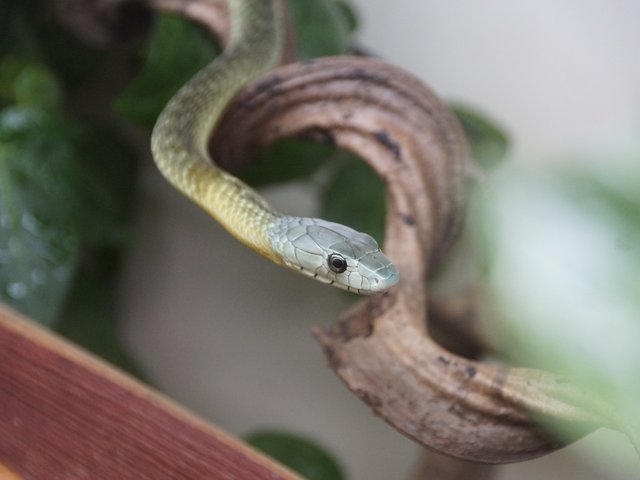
(327,251)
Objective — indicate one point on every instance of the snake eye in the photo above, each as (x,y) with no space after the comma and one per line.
(337,263)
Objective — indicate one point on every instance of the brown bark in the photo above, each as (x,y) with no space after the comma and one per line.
(381,348)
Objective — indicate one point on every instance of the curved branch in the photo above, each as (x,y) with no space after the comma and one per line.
(380,348)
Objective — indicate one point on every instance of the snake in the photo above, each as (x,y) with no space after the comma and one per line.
(327,251)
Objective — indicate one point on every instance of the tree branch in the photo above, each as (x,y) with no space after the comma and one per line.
(381,348)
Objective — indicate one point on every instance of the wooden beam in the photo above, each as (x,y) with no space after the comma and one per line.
(66,414)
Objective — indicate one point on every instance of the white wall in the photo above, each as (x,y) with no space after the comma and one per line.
(562,76)
(227,334)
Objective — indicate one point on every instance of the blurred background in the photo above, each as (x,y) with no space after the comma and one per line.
(227,333)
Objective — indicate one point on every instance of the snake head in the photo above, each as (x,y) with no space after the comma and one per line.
(332,253)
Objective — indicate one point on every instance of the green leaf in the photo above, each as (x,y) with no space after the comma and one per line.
(565,269)
(52,204)
(489,144)
(348,15)
(39,238)
(563,275)
(355,196)
(287,160)
(65,191)
(28,84)
(177,50)
(106,187)
(36,87)
(301,455)
(106,183)
(321,27)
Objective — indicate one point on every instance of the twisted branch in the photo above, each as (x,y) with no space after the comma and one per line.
(381,348)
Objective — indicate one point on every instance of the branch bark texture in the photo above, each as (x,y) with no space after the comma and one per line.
(381,348)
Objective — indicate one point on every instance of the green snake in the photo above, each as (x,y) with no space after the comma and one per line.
(329,252)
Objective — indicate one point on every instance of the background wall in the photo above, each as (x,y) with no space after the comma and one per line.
(227,333)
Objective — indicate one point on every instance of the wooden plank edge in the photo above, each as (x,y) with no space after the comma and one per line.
(36,366)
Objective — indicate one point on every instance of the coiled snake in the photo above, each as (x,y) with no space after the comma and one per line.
(329,252)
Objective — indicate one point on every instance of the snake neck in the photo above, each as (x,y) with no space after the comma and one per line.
(179,141)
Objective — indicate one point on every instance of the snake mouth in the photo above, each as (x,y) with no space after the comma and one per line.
(383,278)
(322,279)
(328,281)
(378,284)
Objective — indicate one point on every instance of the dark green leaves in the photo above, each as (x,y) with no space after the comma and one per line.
(64,198)
(355,196)
(88,317)
(178,48)
(489,144)
(39,237)
(299,454)
(287,160)
(59,191)
(347,15)
(563,277)
(322,27)
(28,84)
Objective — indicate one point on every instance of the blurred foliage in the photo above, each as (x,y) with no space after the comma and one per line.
(298,453)
(347,15)
(489,144)
(28,85)
(355,196)
(561,273)
(322,26)
(66,184)
(88,318)
(39,236)
(287,160)
(176,50)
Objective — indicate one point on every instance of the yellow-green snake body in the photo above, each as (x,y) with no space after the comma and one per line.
(327,251)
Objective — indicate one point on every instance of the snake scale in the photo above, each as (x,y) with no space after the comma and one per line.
(329,252)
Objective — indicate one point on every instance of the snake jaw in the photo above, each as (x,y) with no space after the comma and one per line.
(307,244)
(383,278)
